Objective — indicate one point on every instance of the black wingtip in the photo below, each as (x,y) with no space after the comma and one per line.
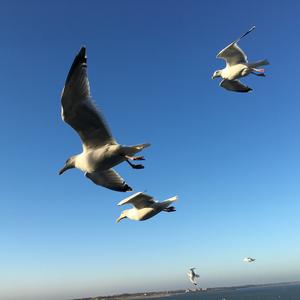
(127,188)
(246,33)
(78,60)
(82,52)
(245,91)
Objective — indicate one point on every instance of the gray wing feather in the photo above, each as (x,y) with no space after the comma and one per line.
(78,109)
(138,200)
(109,179)
(234,85)
(233,54)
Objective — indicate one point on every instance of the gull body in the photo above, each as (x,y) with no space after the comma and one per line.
(103,158)
(237,66)
(101,152)
(192,276)
(235,71)
(145,207)
(249,259)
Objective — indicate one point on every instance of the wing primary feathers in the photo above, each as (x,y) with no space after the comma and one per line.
(79,59)
(251,29)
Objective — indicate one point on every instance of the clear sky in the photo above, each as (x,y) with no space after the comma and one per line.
(232,158)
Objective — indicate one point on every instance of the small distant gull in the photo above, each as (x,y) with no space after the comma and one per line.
(145,207)
(192,276)
(101,152)
(249,259)
(237,66)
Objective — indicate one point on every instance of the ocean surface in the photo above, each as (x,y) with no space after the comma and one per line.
(282,292)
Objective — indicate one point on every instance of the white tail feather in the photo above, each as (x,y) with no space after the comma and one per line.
(175,198)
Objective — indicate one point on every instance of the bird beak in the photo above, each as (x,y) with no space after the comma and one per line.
(213,77)
(120,218)
(65,168)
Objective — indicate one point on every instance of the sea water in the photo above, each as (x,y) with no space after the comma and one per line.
(282,292)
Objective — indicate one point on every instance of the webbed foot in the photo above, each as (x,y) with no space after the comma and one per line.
(170,209)
(134,166)
(137,166)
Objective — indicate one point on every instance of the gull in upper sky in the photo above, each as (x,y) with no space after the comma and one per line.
(101,152)
(249,259)
(145,207)
(237,66)
(192,276)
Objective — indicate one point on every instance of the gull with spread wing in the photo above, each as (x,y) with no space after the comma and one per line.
(237,66)
(101,152)
(249,259)
(192,276)
(145,207)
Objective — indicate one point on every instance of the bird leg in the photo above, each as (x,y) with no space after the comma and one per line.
(135,166)
(170,209)
(260,72)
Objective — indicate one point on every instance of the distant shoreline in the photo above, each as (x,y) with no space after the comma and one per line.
(163,294)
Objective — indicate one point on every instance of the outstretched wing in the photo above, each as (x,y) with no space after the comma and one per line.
(233,55)
(234,85)
(138,200)
(109,179)
(78,109)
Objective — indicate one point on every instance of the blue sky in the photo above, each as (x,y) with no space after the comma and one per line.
(232,158)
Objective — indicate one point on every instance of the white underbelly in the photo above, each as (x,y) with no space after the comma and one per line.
(234,72)
(101,159)
(144,213)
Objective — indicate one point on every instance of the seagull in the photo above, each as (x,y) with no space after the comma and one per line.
(249,259)
(192,276)
(101,152)
(145,207)
(237,66)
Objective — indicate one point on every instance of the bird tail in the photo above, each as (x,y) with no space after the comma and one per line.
(141,146)
(166,204)
(173,199)
(259,63)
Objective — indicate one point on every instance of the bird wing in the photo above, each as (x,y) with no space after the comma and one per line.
(234,85)
(109,179)
(138,200)
(233,55)
(78,109)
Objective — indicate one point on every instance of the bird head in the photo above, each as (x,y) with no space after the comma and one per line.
(216,74)
(70,164)
(122,216)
